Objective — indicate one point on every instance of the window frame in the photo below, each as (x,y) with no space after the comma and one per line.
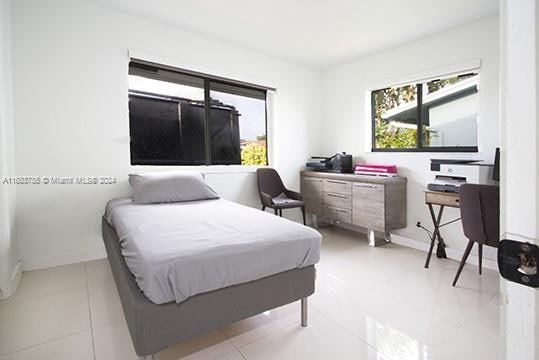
(420,118)
(207,81)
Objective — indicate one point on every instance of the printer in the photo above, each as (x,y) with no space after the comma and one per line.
(450,174)
(338,163)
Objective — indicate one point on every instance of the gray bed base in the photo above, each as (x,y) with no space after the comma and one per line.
(155,327)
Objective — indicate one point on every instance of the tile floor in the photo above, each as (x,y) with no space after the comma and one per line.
(370,303)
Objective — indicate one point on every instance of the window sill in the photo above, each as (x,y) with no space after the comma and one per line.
(452,150)
(230,169)
(205,169)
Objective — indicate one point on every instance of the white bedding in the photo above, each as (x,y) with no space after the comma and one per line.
(178,250)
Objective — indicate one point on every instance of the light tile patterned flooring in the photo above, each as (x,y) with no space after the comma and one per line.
(370,303)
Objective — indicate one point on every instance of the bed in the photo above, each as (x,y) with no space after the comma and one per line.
(172,292)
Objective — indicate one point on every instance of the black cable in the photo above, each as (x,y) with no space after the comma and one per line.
(429,233)
(440,247)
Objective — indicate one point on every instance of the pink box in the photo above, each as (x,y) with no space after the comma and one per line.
(376,168)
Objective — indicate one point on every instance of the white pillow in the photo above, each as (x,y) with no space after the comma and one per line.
(168,187)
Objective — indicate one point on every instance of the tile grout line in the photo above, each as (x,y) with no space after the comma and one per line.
(258,338)
(9,301)
(356,337)
(482,304)
(234,345)
(43,343)
(89,309)
(41,296)
(242,354)
(436,347)
(19,301)
(433,315)
(321,313)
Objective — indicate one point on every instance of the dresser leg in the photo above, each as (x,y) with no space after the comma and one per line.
(314,221)
(377,238)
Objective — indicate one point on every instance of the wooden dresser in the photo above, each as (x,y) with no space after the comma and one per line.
(377,204)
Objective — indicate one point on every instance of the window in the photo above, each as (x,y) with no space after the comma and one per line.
(183,118)
(445,110)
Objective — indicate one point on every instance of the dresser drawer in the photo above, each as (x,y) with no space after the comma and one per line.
(338,186)
(338,214)
(338,200)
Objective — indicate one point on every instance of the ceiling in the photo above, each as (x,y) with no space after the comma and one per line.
(313,33)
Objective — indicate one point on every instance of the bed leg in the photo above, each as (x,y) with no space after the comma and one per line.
(146,357)
(304,312)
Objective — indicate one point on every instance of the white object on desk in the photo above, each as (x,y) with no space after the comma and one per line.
(456,174)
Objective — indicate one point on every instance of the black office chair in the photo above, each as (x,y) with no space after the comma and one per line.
(480,215)
(274,195)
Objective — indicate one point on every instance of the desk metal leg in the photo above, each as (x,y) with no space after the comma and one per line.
(436,233)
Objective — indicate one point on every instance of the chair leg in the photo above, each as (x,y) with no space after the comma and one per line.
(480,253)
(281,212)
(263,208)
(276,211)
(463,261)
(303,213)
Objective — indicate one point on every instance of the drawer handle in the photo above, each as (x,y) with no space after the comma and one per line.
(337,182)
(337,195)
(337,209)
(366,186)
(314,180)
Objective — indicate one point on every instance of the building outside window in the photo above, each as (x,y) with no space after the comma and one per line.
(445,110)
(184,118)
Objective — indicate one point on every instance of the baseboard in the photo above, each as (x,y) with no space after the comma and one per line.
(454,254)
(13,282)
(83,256)
(64,259)
(15,278)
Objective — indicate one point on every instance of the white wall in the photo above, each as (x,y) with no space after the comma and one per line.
(346,122)
(8,250)
(70,73)
(71,118)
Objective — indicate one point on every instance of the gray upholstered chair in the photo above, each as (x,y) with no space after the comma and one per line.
(274,195)
(480,215)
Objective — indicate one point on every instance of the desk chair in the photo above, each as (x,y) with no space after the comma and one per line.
(480,215)
(274,195)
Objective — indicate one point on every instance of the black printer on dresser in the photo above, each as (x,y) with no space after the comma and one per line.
(338,163)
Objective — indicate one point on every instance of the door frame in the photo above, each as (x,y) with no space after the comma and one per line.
(519,187)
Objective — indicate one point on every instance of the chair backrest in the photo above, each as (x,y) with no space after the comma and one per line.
(269,182)
(480,213)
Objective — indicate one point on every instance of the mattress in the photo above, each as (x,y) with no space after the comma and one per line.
(179,250)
